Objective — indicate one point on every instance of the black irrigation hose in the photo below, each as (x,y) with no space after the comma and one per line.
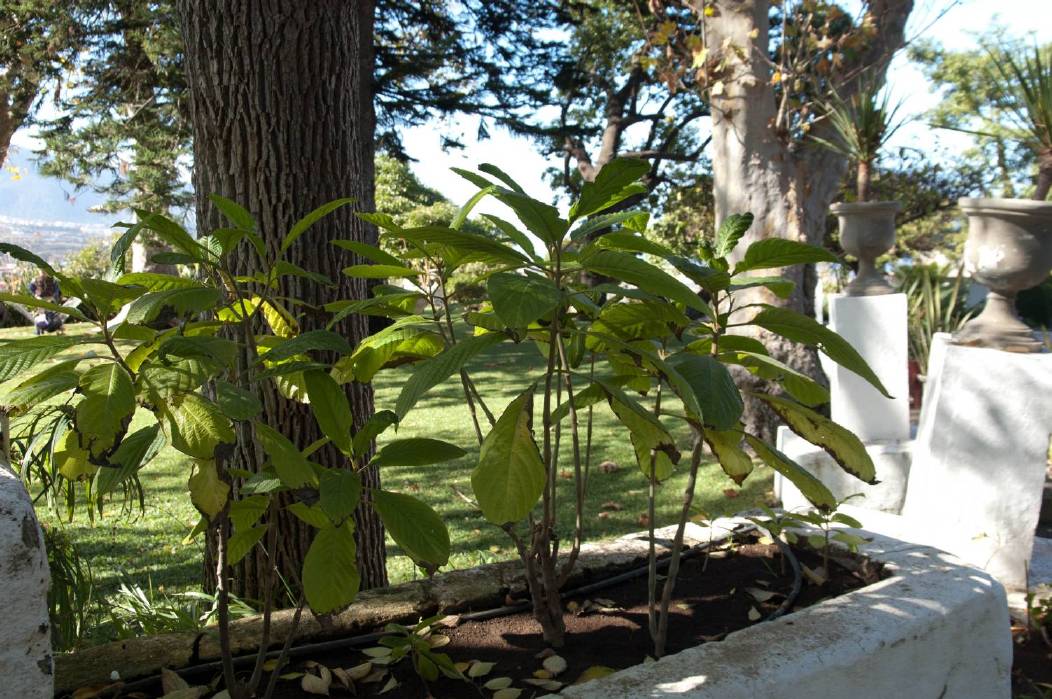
(483,615)
(798,581)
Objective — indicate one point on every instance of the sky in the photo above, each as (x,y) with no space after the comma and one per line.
(959,27)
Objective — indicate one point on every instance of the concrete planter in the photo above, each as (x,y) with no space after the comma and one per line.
(867,231)
(1009,249)
(935,628)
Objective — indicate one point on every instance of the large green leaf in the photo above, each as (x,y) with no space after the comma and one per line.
(380,271)
(812,488)
(195,426)
(628,268)
(726,448)
(20,253)
(800,386)
(162,379)
(509,477)
(779,286)
(109,401)
(135,451)
(469,245)
(237,403)
(18,356)
(369,252)
(415,527)
(339,491)
(845,448)
(34,302)
(234,212)
(633,220)
(730,232)
(416,451)
(521,299)
(33,393)
(242,542)
(292,467)
(152,281)
(330,406)
(182,300)
(208,492)
(330,569)
(434,371)
(800,328)
(633,242)
(376,425)
(312,340)
(304,224)
(646,432)
(770,253)
(720,401)
(541,219)
(200,347)
(616,181)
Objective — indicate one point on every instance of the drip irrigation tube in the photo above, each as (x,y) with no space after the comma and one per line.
(249,660)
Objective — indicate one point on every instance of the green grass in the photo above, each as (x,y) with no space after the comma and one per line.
(148,546)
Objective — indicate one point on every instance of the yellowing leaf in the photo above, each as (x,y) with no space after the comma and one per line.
(207,492)
(594,673)
(718,88)
(555,664)
(479,668)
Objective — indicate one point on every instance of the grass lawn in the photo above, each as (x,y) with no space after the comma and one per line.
(148,546)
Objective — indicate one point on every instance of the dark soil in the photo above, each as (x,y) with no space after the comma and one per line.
(1031,666)
(713,598)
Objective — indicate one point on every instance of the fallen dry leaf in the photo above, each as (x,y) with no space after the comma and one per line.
(317,684)
(171,682)
(359,672)
(612,505)
(554,664)
(644,520)
(754,614)
(498,683)
(479,668)
(730,493)
(508,693)
(594,673)
(608,467)
(448,621)
(550,685)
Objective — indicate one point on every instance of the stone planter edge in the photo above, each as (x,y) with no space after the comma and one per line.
(936,627)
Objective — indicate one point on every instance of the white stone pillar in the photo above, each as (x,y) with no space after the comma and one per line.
(876,326)
(981,453)
(25,633)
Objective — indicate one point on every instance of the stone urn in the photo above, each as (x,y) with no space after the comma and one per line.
(1009,249)
(867,231)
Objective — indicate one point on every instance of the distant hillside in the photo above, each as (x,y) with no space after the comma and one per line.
(30,195)
(43,214)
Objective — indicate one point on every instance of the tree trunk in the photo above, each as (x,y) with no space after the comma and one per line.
(283,122)
(788,188)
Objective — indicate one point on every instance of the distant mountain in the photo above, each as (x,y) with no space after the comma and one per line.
(32,196)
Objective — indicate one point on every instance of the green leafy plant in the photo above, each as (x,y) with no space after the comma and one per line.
(71,595)
(600,345)
(860,125)
(936,302)
(195,381)
(136,611)
(1023,81)
(420,645)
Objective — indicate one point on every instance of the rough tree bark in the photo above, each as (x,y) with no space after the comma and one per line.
(787,186)
(283,122)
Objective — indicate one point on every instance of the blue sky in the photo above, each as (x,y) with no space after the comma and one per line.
(959,28)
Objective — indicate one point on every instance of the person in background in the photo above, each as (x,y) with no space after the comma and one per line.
(46,289)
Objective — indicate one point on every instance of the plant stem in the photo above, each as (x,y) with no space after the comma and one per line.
(677,544)
(223,604)
(652,552)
